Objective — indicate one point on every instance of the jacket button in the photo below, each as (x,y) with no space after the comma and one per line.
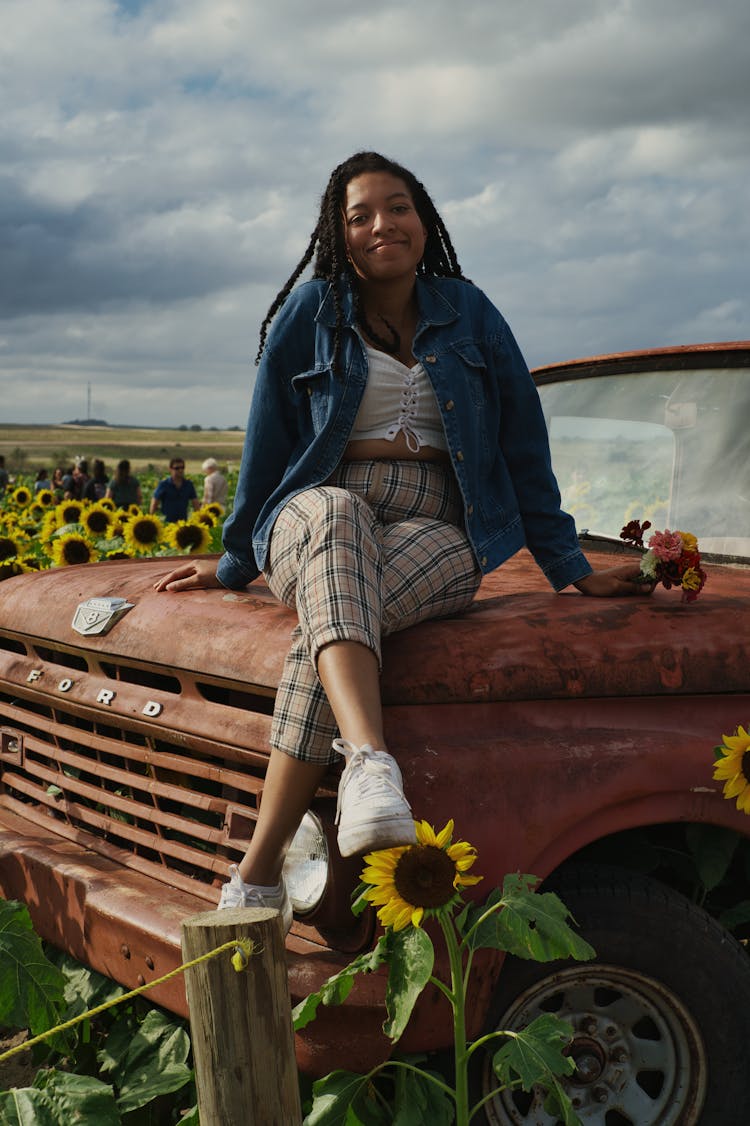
(470,510)
(450,405)
(459,455)
(430,359)
(309,392)
(483,561)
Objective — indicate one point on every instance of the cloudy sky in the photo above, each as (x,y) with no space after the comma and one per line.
(161,163)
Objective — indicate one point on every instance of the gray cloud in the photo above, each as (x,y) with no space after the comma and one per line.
(161,163)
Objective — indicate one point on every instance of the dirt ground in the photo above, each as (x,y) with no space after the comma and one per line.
(18,1071)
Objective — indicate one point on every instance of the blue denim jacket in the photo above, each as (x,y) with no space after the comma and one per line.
(302,415)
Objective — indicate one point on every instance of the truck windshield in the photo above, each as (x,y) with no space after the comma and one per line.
(672,447)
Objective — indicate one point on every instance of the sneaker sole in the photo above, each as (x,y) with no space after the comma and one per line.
(356,840)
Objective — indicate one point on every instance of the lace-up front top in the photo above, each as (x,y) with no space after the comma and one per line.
(398,399)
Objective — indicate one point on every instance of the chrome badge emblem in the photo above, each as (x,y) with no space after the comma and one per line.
(98,615)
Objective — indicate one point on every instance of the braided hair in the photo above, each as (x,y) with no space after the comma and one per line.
(331,262)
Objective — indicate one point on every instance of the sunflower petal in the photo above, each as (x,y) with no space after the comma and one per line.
(426,834)
(444,836)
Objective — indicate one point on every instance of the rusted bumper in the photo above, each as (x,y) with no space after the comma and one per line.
(127,925)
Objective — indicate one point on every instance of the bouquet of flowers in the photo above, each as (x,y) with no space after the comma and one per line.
(671,558)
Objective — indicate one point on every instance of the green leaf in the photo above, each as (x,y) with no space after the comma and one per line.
(419,1100)
(535,1055)
(558,1104)
(712,849)
(84,988)
(31,988)
(149,1063)
(71,1099)
(411,957)
(23,1106)
(526,923)
(334,1099)
(736,916)
(69,529)
(337,988)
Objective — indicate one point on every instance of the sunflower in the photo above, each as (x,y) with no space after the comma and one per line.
(214,508)
(29,563)
(411,881)
(45,497)
(188,535)
(69,512)
(733,768)
(10,570)
(9,548)
(205,516)
(97,520)
(49,526)
(21,496)
(73,548)
(107,502)
(143,533)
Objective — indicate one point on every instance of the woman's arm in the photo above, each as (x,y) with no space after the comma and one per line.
(193,574)
(614,581)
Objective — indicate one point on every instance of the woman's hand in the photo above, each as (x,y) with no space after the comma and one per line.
(194,574)
(614,581)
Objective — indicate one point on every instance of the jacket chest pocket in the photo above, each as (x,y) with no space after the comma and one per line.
(472,366)
(315,396)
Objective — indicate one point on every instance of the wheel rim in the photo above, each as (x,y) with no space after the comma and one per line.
(639,1055)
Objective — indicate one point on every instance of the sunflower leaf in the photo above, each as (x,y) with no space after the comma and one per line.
(411,957)
(31,988)
(344,1099)
(712,849)
(337,988)
(736,916)
(69,530)
(526,923)
(419,1099)
(535,1056)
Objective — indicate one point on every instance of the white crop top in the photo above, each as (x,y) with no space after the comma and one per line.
(398,400)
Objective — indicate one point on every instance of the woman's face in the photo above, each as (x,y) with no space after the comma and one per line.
(385,238)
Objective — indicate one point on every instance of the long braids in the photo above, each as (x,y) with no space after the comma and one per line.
(331,262)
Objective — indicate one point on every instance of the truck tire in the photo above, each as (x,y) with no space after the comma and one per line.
(661,1016)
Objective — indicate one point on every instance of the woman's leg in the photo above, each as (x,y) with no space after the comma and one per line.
(288,791)
(350,675)
(335,557)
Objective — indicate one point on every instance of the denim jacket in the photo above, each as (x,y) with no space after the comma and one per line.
(302,414)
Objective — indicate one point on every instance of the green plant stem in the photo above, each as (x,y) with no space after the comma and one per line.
(458,1003)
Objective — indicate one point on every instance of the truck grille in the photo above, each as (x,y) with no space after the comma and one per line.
(158,770)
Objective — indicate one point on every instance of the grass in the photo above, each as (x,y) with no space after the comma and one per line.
(29,448)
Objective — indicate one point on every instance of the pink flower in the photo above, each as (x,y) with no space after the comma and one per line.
(666,545)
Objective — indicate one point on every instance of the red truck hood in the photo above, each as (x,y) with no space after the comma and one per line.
(519,641)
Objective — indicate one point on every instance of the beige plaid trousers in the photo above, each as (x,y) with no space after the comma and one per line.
(377,548)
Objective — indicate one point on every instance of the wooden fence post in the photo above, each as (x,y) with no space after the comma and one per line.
(240,1023)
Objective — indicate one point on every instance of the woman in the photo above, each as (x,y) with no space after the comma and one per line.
(42,481)
(58,481)
(96,486)
(395,451)
(123,489)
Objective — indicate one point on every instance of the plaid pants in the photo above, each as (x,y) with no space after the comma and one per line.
(375,549)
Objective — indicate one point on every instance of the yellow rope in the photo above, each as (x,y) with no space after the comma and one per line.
(242,947)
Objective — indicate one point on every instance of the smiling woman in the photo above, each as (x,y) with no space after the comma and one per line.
(395,451)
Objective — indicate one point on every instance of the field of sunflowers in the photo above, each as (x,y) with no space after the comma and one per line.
(40,529)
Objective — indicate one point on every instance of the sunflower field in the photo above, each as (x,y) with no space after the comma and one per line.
(38,530)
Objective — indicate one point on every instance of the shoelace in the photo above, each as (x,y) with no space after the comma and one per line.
(378,770)
(249,895)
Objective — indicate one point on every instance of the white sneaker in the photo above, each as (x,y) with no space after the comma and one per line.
(237,893)
(372,812)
